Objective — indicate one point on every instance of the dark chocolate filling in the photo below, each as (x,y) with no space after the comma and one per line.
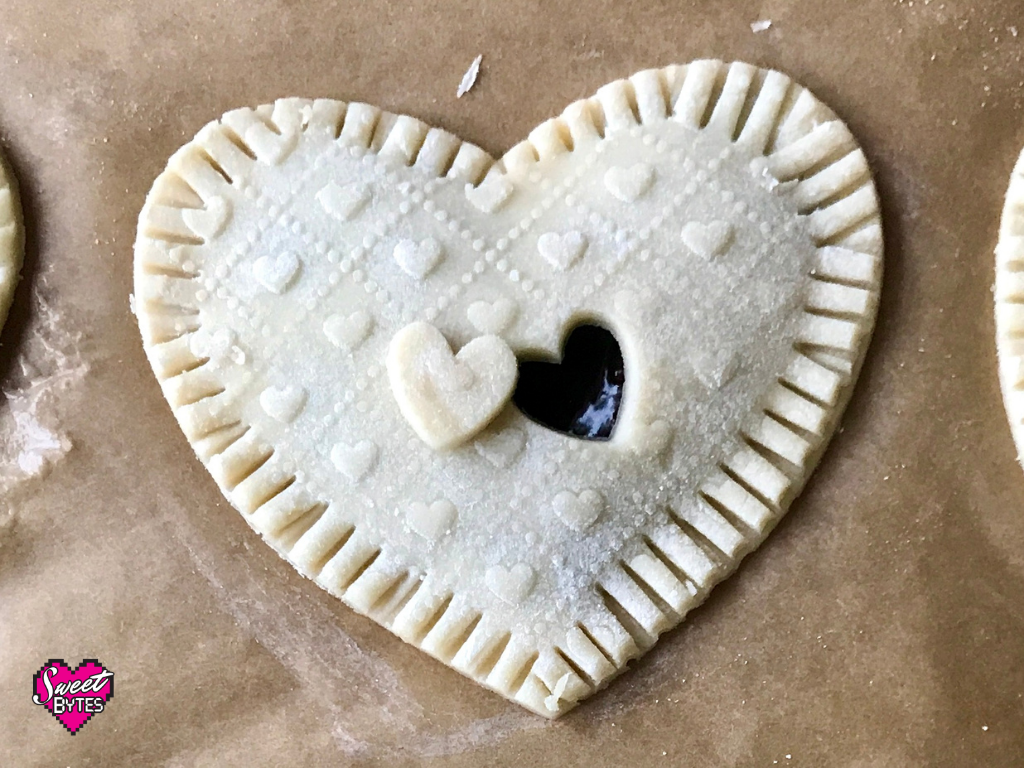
(581,395)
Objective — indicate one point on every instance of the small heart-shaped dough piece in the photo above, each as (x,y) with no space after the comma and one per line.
(629,184)
(562,251)
(513,585)
(579,512)
(492,317)
(434,521)
(707,240)
(418,259)
(212,344)
(355,461)
(502,448)
(283,403)
(717,369)
(448,398)
(343,203)
(275,273)
(490,195)
(347,332)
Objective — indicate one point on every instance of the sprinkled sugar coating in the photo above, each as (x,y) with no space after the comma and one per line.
(717,218)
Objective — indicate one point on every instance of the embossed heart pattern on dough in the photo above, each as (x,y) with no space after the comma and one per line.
(717,218)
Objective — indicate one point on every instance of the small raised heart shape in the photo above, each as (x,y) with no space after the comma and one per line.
(283,403)
(343,203)
(716,369)
(347,332)
(629,184)
(502,448)
(490,195)
(579,511)
(355,461)
(448,398)
(418,259)
(276,273)
(512,585)
(562,251)
(492,317)
(707,240)
(434,521)
(212,344)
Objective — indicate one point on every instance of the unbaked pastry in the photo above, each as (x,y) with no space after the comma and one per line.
(1009,296)
(12,243)
(306,272)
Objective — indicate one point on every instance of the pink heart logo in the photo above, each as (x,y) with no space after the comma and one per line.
(73,696)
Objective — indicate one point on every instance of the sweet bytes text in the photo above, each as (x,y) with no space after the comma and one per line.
(59,694)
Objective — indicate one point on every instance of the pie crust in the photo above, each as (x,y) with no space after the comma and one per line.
(12,239)
(717,218)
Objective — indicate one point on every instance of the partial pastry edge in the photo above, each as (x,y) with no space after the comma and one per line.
(12,238)
(1009,305)
(804,144)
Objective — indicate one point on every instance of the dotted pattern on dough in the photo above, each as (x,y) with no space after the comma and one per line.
(315,214)
(12,239)
(1009,304)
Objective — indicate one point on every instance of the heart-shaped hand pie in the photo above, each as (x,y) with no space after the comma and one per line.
(331,296)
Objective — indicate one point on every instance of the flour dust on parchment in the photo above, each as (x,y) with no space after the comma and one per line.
(362,700)
(47,364)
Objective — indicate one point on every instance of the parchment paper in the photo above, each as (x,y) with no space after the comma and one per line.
(880,625)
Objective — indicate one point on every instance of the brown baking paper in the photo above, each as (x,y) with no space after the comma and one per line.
(880,625)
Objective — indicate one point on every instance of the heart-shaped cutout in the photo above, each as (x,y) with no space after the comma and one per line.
(581,394)
(738,364)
